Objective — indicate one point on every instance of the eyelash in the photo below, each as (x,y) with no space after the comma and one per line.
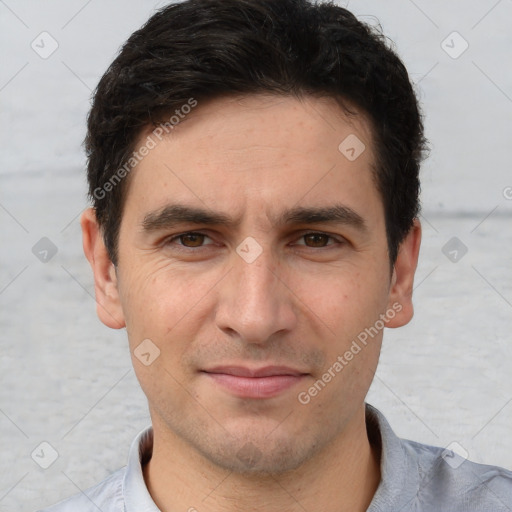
(173,238)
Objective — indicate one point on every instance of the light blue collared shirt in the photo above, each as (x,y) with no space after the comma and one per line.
(414,478)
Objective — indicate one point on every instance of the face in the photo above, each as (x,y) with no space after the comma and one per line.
(252,255)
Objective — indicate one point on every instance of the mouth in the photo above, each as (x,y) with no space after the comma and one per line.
(263,382)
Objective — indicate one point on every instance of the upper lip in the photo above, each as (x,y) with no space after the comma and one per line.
(264,371)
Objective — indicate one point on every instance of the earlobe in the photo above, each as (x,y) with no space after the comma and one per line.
(108,305)
(402,281)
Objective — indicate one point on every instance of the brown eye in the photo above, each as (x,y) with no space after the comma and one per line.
(316,239)
(192,239)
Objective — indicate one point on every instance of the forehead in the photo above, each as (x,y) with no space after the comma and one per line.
(257,154)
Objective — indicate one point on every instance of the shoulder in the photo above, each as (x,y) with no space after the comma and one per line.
(419,477)
(447,479)
(106,496)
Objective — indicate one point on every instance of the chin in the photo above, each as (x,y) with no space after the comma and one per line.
(254,455)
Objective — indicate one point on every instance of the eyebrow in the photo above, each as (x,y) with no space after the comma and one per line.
(175,214)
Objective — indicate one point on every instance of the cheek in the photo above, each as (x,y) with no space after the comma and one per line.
(345,301)
(163,307)
(157,298)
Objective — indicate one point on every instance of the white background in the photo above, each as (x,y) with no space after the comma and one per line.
(67,379)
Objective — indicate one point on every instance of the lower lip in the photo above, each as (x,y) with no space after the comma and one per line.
(255,387)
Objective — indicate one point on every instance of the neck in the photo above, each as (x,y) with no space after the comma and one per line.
(341,478)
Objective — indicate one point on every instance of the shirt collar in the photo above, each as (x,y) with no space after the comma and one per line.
(135,493)
(399,483)
(399,473)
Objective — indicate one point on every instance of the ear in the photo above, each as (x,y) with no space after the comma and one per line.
(402,281)
(108,305)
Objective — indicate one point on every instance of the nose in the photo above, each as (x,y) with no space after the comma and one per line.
(255,301)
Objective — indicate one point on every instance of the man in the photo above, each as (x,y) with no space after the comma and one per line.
(253,167)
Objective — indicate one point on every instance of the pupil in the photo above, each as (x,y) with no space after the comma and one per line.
(195,240)
(317,239)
